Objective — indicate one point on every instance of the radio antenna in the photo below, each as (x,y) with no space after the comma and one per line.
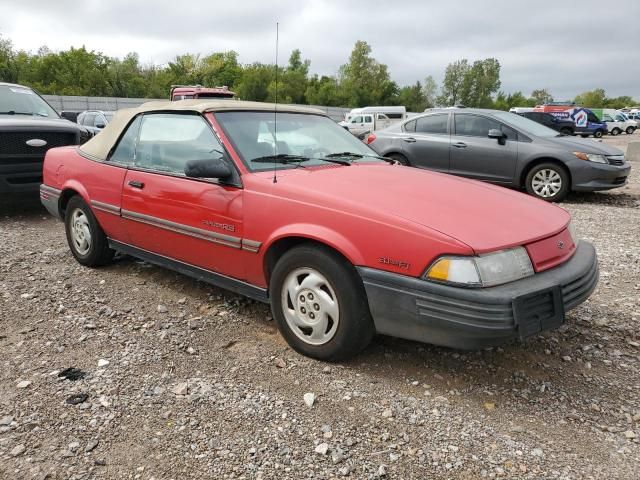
(275,116)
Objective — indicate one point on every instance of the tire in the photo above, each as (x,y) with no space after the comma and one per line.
(87,241)
(329,295)
(598,134)
(630,130)
(614,132)
(548,181)
(401,159)
(566,131)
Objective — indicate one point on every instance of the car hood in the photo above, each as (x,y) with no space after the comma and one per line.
(23,122)
(484,217)
(585,145)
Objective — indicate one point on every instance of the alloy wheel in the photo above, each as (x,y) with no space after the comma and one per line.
(546,183)
(80,232)
(310,306)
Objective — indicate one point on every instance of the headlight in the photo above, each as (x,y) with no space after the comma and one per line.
(486,270)
(591,157)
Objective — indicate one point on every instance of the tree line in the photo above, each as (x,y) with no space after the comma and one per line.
(361,81)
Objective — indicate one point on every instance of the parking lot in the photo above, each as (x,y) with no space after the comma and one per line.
(183,380)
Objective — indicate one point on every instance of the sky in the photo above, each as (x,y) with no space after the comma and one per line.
(565,47)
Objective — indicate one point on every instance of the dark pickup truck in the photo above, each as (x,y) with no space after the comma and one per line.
(563,126)
(29,126)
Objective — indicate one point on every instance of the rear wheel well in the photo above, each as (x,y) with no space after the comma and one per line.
(65,196)
(538,161)
(283,245)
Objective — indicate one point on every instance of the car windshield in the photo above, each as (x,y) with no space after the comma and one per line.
(15,100)
(527,126)
(315,139)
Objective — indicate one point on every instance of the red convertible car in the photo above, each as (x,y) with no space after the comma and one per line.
(281,204)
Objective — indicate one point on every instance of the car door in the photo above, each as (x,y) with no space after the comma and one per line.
(382,121)
(475,155)
(100,121)
(88,119)
(425,142)
(356,125)
(194,221)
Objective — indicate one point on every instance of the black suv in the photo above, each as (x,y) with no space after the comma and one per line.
(563,126)
(29,126)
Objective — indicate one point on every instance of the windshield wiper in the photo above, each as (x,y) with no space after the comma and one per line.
(344,154)
(13,112)
(282,158)
(355,156)
(31,114)
(285,158)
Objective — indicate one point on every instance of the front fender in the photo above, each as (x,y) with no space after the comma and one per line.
(321,234)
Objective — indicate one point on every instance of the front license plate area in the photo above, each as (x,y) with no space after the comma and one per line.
(538,311)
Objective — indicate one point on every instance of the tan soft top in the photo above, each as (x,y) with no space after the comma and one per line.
(100,145)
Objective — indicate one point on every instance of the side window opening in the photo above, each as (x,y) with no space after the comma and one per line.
(479,126)
(125,150)
(168,141)
(434,124)
(410,126)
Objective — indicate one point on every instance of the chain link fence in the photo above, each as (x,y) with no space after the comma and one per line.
(79,104)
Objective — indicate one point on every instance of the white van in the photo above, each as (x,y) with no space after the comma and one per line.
(617,122)
(368,119)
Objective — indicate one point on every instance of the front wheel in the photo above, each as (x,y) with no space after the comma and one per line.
(615,131)
(598,133)
(320,304)
(630,130)
(87,241)
(401,159)
(548,181)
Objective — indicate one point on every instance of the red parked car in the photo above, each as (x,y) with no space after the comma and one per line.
(291,209)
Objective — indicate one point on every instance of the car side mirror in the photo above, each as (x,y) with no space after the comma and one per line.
(498,135)
(207,168)
(100,125)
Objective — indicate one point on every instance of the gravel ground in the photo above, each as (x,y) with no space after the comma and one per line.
(181,380)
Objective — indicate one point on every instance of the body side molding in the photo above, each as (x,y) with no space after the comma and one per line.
(217,279)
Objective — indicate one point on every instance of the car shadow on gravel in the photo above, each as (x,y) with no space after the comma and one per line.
(545,362)
(21,206)
(625,200)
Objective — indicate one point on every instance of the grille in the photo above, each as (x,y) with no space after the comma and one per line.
(15,143)
(616,160)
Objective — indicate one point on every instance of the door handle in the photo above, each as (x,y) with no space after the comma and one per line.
(136,184)
(460,145)
(409,139)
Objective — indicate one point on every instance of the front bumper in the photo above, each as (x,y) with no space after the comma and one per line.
(590,176)
(471,318)
(20,175)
